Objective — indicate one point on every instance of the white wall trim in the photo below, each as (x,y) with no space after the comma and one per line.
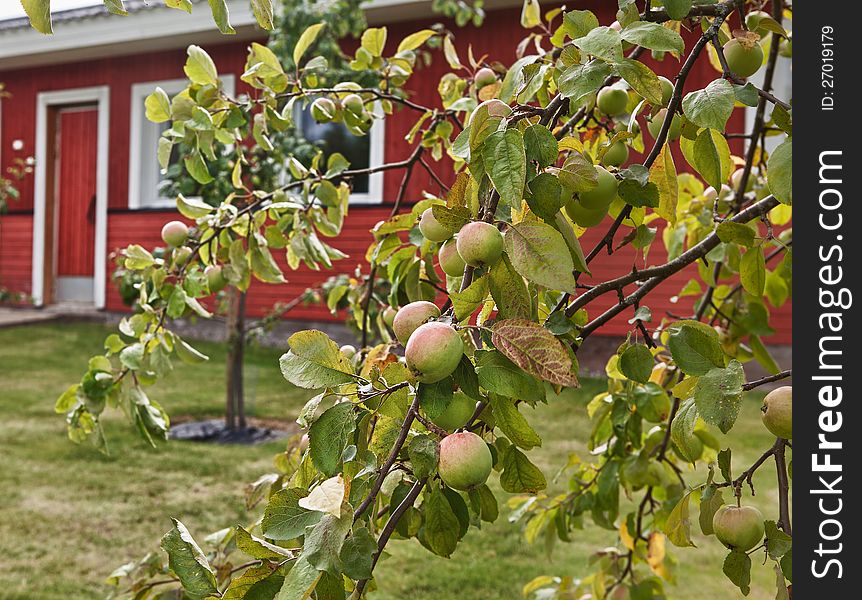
(377,145)
(137,115)
(45,100)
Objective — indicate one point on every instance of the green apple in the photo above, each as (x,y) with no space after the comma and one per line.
(175,233)
(433,351)
(479,243)
(465,461)
(432,229)
(612,101)
(743,60)
(411,316)
(777,412)
(616,155)
(738,527)
(450,261)
(601,196)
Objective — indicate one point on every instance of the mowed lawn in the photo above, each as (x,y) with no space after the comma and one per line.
(69,515)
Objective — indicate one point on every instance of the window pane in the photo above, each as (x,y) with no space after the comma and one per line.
(334,137)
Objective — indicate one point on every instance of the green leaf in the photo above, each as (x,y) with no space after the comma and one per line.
(579,80)
(737,567)
(509,291)
(682,430)
(778,543)
(653,36)
(677,9)
(534,349)
(197,168)
(221,16)
(578,23)
(499,375)
(329,435)
(779,171)
(257,581)
(257,547)
(414,40)
(184,5)
(506,164)
(284,519)
(711,106)
(747,94)
(467,301)
(519,475)
(718,395)
(539,253)
(710,501)
(636,189)
(193,208)
(724,459)
(314,361)
(305,41)
(735,233)
(678,524)
(603,43)
(578,173)
(137,258)
(512,423)
(762,355)
(441,526)
(187,353)
(663,175)
(39,13)
(545,198)
(323,542)
(540,145)
(695,348)
(374,40)
(434,398)
(641,78)
(300,581)
(200,68)
(132,357)
(531,14)
(709,154)
(187,561)
(357,554)
(158,106)
(452,218)
(423,456)
(752,271)
(636,363)
(263,13)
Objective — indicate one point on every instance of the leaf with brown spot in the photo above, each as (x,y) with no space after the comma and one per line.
(534,349)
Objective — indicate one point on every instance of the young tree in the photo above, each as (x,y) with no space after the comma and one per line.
(390,449)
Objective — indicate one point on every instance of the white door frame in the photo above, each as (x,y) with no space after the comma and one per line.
(44,101)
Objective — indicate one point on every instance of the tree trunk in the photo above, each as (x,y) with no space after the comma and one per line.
(235,400)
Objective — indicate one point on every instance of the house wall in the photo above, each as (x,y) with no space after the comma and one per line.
(496,39)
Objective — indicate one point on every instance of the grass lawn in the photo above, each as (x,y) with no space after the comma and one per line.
(69,515)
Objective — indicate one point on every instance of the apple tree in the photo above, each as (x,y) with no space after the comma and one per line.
(479,297)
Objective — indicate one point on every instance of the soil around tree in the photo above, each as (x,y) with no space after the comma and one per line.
(257,431)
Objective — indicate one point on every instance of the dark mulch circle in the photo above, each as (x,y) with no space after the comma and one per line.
(257,431)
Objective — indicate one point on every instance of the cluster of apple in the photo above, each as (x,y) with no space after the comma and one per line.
(175,234)
(347,107)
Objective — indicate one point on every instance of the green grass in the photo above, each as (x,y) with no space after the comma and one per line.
(70,515)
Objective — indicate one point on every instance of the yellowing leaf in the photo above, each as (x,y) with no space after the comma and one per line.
(326,498)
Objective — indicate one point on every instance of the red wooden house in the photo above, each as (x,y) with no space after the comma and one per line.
(76,105)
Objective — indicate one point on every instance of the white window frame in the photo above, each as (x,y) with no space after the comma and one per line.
(376,149)
(140,91)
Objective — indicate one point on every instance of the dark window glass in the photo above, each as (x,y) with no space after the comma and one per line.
(334,137)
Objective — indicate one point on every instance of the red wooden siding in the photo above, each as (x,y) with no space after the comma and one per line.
(76,193)
(16,247)
(496,39)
